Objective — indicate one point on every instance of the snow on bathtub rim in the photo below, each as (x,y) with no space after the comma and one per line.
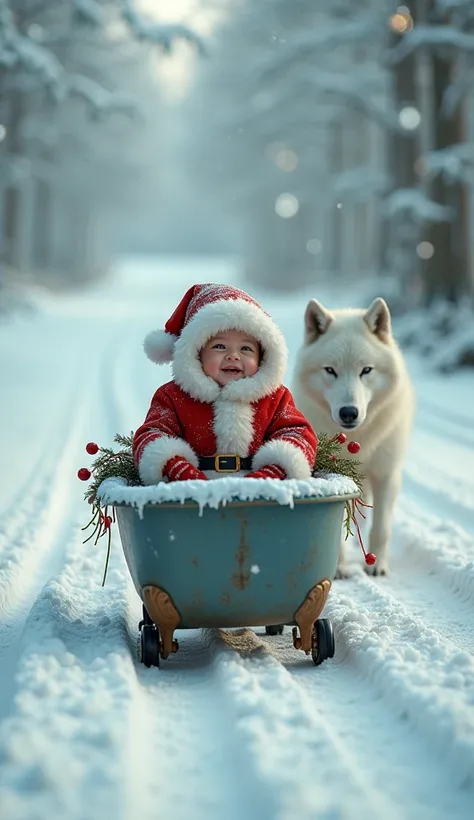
(215,492)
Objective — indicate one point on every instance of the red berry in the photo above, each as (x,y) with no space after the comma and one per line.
(84,474)
(370,558)
(334,458)
(353,447)
(92,448)
(107,521)
(342,438)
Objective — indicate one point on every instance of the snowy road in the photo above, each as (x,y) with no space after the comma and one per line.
(236,724)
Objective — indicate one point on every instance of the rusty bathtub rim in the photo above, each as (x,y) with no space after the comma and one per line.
(330,499)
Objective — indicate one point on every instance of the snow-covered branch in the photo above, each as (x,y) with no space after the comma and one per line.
(431,37)
(17,50)
(99,98)
(358,183)
(328,36)
(88,12)
(414,203)
(161,34)
(451,163)
(362,90)
(454,5)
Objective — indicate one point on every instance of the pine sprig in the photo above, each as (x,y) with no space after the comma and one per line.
(329,460)
(113,464)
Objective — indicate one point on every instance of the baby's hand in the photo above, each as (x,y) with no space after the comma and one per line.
(178,469)
(269,471)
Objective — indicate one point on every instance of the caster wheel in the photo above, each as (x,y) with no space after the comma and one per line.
(274,629)
(323,641)
(149,646)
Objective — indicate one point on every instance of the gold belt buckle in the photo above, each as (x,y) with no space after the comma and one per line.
(217,464)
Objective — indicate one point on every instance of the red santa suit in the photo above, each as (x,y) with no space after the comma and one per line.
(193,416)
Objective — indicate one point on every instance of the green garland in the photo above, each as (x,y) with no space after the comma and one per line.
(113,464)
(120,464)
(328,459)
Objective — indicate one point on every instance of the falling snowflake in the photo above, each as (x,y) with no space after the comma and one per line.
(254,569)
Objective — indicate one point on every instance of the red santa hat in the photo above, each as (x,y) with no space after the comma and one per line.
(204,311)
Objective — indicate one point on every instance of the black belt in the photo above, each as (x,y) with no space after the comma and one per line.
(228,463)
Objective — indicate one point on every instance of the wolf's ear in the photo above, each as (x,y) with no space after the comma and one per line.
(377,318)
(316,320)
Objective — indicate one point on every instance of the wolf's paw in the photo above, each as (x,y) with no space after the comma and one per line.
(376,570)
(342,571)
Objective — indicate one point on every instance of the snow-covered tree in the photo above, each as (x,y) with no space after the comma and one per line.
(331,104)
(295,106)
(76,95)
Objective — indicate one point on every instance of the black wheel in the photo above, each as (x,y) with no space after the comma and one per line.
(274,629)
(149,645)
(323,641)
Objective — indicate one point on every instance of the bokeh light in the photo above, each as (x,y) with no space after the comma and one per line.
(425,250)
(401,22)
(286,206)
(314,246)
(409,117)
(286,159)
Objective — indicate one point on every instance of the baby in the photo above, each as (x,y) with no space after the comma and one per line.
(226,411)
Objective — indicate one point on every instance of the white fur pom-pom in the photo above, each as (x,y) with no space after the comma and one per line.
(158,346)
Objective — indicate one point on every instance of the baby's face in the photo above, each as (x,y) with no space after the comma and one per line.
(230,356)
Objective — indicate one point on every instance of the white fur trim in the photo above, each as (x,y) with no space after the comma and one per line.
(158,452)
(233,426)
(215,317)
(286,455)
(158,346)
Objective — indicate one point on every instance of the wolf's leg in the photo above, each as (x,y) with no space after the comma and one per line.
(342,570)
(385,493)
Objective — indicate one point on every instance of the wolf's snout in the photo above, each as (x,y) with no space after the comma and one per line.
(348,415)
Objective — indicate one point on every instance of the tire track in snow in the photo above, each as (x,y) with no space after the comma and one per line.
(37,530)
(429,598)
(95,734)
(436,546)
(447,416)
(344,696)
(293,749)
(34,546)
(433,497)
(421,676)
(189,739)
(443,429)
(58,687)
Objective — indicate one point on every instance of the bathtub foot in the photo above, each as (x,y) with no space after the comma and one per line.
(164,614)
(308,613)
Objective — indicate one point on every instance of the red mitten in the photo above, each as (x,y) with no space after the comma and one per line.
(269,471)
(178,469)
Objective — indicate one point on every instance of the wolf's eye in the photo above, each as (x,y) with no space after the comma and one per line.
(331,371)
(366,370)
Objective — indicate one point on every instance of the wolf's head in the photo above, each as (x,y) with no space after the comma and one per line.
(349,360)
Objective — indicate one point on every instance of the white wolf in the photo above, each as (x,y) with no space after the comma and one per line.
(350,375)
